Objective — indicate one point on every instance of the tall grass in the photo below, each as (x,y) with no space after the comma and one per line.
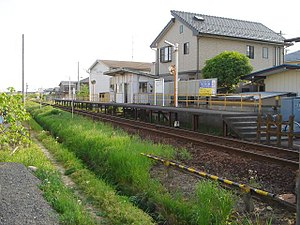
(115,156)
(117,209)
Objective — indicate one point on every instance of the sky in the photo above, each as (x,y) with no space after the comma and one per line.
(60,33)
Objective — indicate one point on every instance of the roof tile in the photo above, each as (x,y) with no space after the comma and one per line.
(228,27)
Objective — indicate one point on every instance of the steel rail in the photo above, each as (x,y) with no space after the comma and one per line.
(169,132)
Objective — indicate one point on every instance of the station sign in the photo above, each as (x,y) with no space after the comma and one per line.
(208,87)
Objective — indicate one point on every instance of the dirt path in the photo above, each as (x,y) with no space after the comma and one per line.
(69,183)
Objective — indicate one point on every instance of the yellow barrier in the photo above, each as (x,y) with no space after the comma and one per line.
(243,187)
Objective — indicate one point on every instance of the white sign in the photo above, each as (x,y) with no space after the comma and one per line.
(159,88)
(159,85)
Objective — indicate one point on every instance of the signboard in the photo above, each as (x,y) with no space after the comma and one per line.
(159,88)
(159,85)
(208,87)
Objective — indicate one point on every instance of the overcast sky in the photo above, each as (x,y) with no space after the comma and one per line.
(59,33)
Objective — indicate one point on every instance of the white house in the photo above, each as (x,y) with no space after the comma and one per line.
(131,86)
(99,82)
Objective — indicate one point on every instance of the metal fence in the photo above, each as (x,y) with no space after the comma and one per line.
(188,96)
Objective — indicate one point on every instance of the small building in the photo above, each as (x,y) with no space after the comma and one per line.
(131,86)
(292,58)
(99,82)
(282,78)
(65,89)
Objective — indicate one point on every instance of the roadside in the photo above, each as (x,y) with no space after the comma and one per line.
(21,202)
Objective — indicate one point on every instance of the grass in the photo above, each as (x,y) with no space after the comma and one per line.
(115,157)
(117,209)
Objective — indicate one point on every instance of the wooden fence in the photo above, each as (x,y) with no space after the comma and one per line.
(272,127)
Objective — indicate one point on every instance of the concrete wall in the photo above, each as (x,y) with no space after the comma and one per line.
(287,81)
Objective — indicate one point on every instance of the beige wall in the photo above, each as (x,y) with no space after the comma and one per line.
(287,81)
(186,62)
(210,47)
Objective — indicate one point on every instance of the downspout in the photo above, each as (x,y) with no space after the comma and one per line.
(198,58)
(157,62)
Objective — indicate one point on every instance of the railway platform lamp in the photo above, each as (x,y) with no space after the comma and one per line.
(93,82)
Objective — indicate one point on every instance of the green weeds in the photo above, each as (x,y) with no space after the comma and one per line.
(115,157)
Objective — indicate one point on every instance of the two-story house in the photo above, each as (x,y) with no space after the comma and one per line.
(99,83)
(201,37)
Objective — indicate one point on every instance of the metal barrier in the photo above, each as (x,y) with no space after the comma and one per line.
(243,187)
(243,101)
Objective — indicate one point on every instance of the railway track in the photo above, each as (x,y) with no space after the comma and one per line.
(280,156)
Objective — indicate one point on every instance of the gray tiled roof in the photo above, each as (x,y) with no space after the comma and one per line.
(213,25)
(293,56)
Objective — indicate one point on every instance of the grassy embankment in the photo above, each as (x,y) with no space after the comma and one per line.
(115,157)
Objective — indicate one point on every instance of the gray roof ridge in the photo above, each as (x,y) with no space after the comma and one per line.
(220,17)
(231,24)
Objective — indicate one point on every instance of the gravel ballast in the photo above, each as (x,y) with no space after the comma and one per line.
(21,201)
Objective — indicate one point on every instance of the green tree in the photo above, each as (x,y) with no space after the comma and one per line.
(228,67)
(84,91)
(12,113)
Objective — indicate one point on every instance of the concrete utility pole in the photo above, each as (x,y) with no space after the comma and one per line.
(23,82)
(78,84)
(298,192)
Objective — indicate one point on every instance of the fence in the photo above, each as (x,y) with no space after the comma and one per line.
(188,96)
(273,127)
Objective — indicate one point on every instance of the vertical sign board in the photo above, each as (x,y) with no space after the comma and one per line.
(208,87)
(159,89)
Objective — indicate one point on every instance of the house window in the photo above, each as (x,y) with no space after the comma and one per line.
(265,53)
(143,87)
(250,52)
(166,54)
(181,29)
(186,48)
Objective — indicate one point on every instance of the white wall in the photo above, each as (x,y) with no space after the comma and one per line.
(133,86)
(102,81)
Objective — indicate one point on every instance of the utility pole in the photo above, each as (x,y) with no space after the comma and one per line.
(78,84)
(23,91)
(298,192)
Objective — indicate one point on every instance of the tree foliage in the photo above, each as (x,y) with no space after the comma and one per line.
(84,91)
(228,67)
(12,113)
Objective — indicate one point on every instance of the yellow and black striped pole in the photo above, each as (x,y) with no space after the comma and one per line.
(244,187)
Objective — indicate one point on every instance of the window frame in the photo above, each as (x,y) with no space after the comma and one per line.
(143,87)
(186,48)
(265,53)
(181,29)
(250,51)
(166,54)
